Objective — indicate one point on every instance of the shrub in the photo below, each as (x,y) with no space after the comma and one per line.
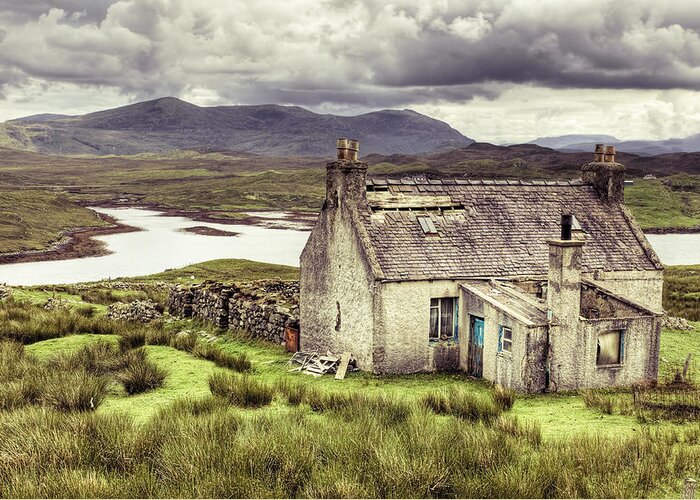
(140,374)
(132,339)
(241,390)
(213,352)
(75,391)
(504,398)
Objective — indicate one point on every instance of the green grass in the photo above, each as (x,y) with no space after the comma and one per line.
(671,203)
(32,219)
(226,270)
(682,291)
(280,433)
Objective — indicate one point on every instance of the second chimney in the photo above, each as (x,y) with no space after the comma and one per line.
(605,174)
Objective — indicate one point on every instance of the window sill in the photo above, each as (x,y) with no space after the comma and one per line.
(434,343)
(505,355)
(615,366)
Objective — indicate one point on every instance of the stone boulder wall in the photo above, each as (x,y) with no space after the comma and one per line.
(138,310)
(261,308)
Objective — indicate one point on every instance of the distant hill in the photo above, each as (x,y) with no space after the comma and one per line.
(688,144)
(168,124)
(484,160)
(565,141)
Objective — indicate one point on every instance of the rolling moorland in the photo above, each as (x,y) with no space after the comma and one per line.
(95,407)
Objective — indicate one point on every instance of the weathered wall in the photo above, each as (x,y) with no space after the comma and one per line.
(522,369)
(641,352)
(642,287)
(261,308)
(402,328)
(337,282)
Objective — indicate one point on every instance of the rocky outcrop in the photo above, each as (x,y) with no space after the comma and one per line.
(674,323)
(5,292)
(138,310)
(261,308)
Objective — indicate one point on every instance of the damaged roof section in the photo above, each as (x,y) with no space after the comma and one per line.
(509,299)
(495,228)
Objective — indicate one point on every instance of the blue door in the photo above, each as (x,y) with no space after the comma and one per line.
(475,365)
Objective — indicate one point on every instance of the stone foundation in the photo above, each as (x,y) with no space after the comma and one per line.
(260,308)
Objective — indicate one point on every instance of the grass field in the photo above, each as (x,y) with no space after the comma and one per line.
(259,430)
(365,436)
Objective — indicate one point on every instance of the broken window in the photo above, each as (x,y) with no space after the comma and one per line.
(505,339)
(426,224)
(443,318)
(611,346)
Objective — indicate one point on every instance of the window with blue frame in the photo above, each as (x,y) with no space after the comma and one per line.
(443,318)
(505,339)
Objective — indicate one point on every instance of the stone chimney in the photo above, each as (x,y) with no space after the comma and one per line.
(605,175)
(346,176)
(564,305)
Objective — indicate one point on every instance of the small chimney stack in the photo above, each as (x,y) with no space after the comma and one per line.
(564,306)
(346,177)
(605,174)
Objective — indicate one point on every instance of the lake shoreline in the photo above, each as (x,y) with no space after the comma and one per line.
(79,243)
(215,216)
(75,243)
(672,230)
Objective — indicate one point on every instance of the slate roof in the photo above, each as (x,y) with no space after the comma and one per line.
(494,228)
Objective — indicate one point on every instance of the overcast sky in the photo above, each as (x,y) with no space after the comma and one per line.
(497,70)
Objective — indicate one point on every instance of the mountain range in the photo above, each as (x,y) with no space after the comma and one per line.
(688,144)
(167,124)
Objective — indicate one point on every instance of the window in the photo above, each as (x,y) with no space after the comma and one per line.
(505,339)
(611,347)
(443,318)
(426,224)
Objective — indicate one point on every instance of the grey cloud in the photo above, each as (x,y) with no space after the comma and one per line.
(365,53)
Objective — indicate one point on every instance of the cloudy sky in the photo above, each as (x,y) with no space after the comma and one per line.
(497,70)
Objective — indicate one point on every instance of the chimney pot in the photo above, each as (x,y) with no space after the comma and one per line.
(342,147)
(353,149)
(599,152)
(610,154)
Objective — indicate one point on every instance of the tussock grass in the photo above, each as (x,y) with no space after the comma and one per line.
(29,323)
(503,397)
(158,336)
(241,390)
(212,352)
(460,403)
(75,391)
(295,393)
(73,381)
(140,375)
(184,341)
(132,339)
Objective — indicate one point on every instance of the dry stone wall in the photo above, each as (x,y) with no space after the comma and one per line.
(261,308)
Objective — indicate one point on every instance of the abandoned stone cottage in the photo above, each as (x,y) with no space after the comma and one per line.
(535,285)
